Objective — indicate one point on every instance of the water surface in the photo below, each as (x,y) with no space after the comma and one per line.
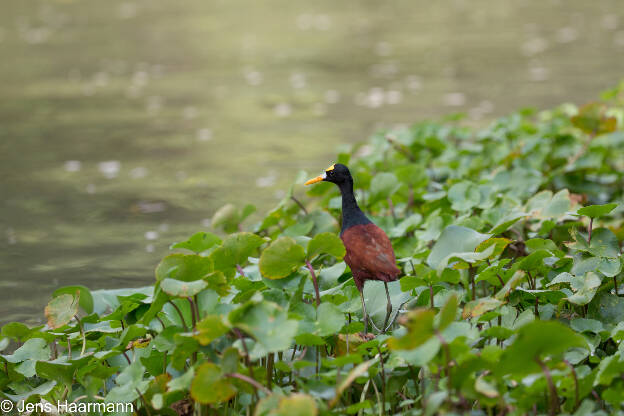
(125,124)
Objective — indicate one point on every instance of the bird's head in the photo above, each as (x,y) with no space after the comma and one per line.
(337,174)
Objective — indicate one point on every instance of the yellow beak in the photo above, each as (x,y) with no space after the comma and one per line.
(315,180)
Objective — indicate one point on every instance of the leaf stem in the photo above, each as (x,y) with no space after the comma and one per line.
(315,282)
(249,380)
(186,328)
(269,369)
(383,379)
(84,338)
(576,385)
(305,211)
(447,364)
(553,402)
(247,360)
(472,281)
(589,230)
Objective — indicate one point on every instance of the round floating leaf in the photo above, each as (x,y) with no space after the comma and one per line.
(235,250)
(454,240)
(209,329)
(604,243)
(199,242)
(383,185)
(86,299)
(537,340)
(480,306)
(464,196)
(15,330)
(328,243)
(61,310)
(268,323)
(182,289)
(209,385)
(330,319)
(184,267)
(281,258)
(595,211)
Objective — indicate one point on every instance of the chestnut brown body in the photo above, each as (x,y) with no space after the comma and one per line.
(369,254)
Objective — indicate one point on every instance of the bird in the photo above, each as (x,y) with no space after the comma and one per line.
(369,252)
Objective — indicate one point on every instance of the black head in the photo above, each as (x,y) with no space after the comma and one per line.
(337,174)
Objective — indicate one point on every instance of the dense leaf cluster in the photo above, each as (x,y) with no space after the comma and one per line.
(509,240)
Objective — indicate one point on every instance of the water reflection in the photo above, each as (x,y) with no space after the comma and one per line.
(125,124)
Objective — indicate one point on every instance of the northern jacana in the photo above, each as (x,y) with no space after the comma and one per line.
(369,251)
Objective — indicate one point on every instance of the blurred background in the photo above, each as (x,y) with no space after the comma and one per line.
(124,125)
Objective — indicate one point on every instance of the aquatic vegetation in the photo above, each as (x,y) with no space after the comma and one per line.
(509,242)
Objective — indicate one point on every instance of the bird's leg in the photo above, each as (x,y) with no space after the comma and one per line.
(364,311)
(388,308)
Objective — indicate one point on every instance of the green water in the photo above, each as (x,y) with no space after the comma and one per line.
(125,124)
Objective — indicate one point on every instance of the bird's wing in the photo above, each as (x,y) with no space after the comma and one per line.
(369,249)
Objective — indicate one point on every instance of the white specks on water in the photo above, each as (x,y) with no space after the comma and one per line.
(267,181)
(308,21)
(252,76)
(534,46)
(332,96)
(11,236)
(181,175)
(150,207)
(322,22)
(190,112)
(204,134)
(140,79)
(454,99)
(150,248)
(151,235)
(282,110)
(485,107)
(90,189)
(206,222)
(618,39)
(110,168)
(101,79)
(72,165)
(393,97)
(384,69)
(304,21)
(154,104)
(538,73)
(413,83)
(138,172)
(319,109)
(383,49)
(298,80)
(127,10)
(567,35)
(610,21)
(163,228)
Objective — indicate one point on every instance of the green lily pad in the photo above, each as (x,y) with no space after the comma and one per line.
(62,309)
(537,340)
(180,289)
(199,242)
(209,386)
(281,258)
(326,243)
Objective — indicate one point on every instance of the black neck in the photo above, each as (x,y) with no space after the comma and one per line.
(351,212)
